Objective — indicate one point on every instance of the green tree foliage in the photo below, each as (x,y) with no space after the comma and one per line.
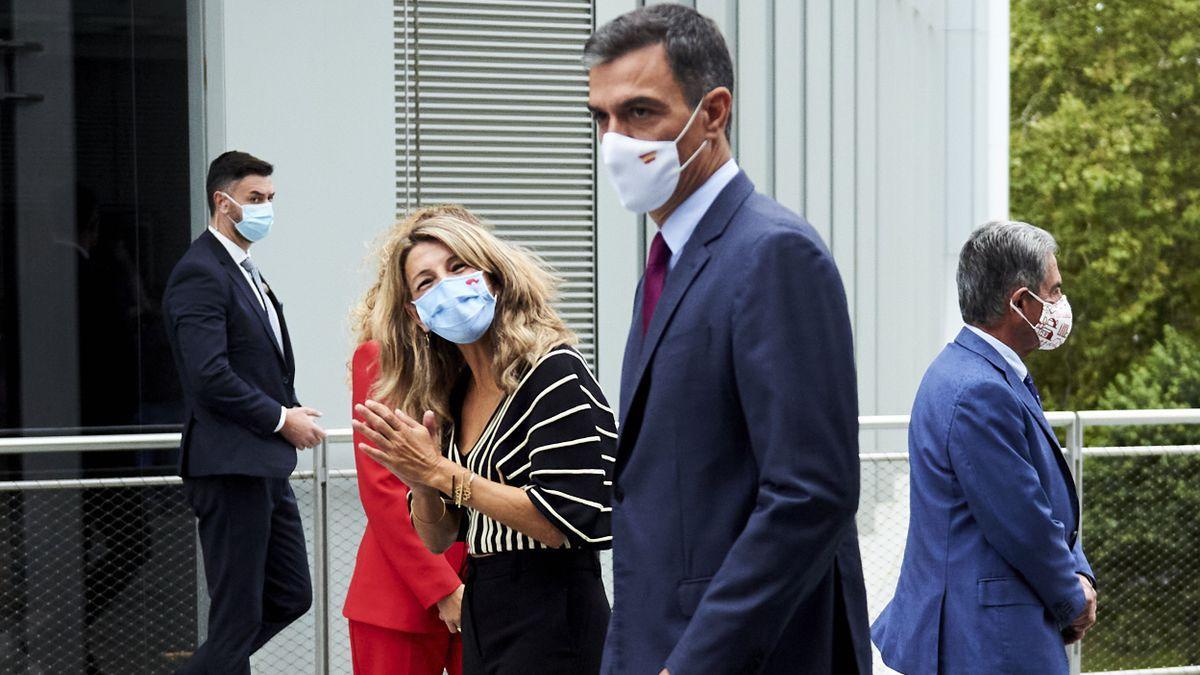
(1140,519)
(1105,147)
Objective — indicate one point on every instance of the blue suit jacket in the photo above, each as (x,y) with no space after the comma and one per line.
(737,473)
(988,578)
(235,377)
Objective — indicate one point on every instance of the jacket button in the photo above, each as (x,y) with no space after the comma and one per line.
(1074,534)
(618,494)
(287,380)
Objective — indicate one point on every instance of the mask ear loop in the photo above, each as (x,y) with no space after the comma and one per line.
(235,203)
(685,130)
(1022,314)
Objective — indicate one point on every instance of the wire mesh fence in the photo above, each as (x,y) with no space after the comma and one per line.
(1142,537)
(291,651)
(104,575)
(98,579)
(346,524)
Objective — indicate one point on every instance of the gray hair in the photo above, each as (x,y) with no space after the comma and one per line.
(998,258)
(696,51)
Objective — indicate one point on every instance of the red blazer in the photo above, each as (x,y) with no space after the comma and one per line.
(397,582)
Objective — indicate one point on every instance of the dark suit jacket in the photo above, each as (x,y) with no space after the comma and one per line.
(737,475)
(993,548)
(235,378)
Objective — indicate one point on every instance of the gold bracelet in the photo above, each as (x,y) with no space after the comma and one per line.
(466,489)
(463,492)
(419,519)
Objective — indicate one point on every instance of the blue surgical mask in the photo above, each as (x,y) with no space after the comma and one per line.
(459,309)
(256,219)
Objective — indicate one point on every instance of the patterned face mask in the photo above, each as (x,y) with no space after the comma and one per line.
(1054,325)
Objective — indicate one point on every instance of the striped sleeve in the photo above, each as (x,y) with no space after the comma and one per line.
(566,459)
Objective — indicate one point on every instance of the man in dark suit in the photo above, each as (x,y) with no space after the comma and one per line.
(737,472)
(994,578)
(243,423)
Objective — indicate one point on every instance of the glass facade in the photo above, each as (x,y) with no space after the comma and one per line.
(94,212)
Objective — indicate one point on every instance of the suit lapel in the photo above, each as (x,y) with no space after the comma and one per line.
(679,280)
(976,344)
(695,256)
(633,349)
(239,281)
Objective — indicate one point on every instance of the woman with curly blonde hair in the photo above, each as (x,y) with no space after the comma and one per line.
(485,410)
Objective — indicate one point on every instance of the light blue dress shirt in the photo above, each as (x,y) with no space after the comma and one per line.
(683,220)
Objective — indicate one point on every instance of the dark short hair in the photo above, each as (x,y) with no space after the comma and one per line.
(998,258)
(229,168)
(696,50)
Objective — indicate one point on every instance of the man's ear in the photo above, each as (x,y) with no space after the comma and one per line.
(1020,299)
(717,105)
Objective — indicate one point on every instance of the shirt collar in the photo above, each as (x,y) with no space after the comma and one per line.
(683,220)
(1004,350)
(235,251)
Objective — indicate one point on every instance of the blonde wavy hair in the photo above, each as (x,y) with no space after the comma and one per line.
(418,370)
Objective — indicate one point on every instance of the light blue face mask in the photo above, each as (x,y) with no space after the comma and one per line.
(256,219)
(459,309)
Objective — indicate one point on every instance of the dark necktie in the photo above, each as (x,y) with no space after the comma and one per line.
(656,276)
(1033,389)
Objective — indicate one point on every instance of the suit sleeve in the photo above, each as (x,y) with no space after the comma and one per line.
(385,500)
(990,457)
(1082,566)
(196,312)
(794,369)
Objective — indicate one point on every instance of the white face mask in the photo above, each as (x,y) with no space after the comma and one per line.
(645,173)
(1054,325)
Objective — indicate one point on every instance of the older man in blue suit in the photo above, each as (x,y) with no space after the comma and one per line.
(737,475)
(994,578)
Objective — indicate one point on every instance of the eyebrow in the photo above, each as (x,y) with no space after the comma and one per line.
(262,194)
(412,281)
(636,101)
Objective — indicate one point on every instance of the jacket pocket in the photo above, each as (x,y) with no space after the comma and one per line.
(1002,591)
(689,594)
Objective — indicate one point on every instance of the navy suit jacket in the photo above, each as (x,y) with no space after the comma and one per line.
(737,471)
(989,572)
(235,377)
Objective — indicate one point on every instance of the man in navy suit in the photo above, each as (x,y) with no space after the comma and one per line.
(737,475)
(243,423)
(994,579)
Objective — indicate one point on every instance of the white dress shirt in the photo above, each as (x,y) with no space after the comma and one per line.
(238,254)
(683,220)
(1005,351)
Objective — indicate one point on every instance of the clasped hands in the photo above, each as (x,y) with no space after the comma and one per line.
(408,448)
(1087,618)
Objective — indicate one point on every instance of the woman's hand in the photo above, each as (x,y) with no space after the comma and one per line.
(406,447)
(450,610)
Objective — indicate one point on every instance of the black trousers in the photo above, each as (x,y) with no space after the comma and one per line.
(255,563)
(531,612)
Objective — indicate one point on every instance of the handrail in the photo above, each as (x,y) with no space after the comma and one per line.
(166,441)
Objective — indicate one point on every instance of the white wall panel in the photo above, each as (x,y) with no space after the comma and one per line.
(309,88)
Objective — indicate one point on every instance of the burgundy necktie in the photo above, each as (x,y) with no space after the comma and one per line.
(656,275)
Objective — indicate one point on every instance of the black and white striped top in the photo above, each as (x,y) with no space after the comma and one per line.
(554,437)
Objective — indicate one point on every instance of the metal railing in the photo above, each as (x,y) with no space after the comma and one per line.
(333,527)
